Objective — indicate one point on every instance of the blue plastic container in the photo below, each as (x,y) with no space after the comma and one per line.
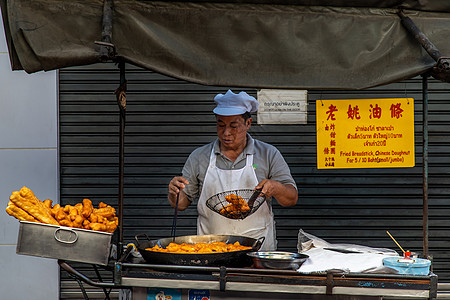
(413,266)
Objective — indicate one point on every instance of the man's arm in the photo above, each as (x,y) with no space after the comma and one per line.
(286,194)
(176,185)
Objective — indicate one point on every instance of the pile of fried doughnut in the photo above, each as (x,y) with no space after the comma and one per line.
(25,206)
(213,247)
(237,205)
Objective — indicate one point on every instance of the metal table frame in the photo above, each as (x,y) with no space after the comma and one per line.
(129,273)
(282,281)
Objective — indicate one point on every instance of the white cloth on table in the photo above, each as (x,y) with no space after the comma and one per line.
(321,260)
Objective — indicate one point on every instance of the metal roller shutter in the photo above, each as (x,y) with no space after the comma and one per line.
(168,118)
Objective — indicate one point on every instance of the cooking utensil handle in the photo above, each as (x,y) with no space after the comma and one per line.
(62,241)
(136,237)
(253,197)
(258,243)
(174,222)
(258,191)
(127,252)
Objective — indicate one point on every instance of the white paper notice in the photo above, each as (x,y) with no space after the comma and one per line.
(282,106)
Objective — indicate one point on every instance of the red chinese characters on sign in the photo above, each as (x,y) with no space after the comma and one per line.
(353,112)
(330,112)
(365,133)
(333,143)
(375,111)
(396,111)
(329,161)
(330,151)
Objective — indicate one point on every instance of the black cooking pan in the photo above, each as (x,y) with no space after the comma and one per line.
(227,259)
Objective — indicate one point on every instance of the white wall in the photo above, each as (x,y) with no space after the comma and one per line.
(28,157)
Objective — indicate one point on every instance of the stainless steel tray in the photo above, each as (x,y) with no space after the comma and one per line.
(74,244)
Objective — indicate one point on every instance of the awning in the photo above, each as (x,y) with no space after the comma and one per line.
(270,44)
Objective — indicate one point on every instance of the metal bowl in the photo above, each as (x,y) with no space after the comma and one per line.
(277,259)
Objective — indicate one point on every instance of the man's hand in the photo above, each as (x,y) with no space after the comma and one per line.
(286,194)
(176,186)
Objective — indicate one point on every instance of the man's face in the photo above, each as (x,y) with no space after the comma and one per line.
(232,131)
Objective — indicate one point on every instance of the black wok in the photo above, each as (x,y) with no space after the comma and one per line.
(227,259)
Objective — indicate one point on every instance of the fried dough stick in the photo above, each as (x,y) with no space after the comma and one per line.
(24,206)
(106,212)
(19,213)
(27,201)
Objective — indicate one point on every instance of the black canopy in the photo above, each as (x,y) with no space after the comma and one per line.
(280,44)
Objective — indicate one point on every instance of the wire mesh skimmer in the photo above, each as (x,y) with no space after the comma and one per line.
(237,204)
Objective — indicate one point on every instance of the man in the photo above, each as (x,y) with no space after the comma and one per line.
(235,161)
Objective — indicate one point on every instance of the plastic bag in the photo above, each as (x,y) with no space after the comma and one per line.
(346,258)
(308,241)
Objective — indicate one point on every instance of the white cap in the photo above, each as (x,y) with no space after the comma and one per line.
(232,104)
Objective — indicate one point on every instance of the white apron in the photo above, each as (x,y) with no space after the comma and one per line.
(258,224)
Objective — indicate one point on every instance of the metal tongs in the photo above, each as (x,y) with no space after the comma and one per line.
(253,197)
(174,222)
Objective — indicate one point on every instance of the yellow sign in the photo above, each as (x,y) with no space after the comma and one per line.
(365,133)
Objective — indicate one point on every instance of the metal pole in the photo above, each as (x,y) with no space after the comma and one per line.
(425,162)
(121,101)
(442,67)
(106,48)
(420,36)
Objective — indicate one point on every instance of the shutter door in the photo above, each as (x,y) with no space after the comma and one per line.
(168,118)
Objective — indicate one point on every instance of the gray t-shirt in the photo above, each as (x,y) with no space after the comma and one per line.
(267,162)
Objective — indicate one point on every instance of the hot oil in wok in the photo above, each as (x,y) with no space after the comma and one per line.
(212,247)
